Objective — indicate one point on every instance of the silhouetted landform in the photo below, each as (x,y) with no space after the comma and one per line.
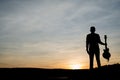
(110,72)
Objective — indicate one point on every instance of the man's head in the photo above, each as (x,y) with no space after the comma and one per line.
(92,29)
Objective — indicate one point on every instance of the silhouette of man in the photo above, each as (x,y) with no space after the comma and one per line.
(92,46)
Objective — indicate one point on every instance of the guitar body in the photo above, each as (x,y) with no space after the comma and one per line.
(106,53)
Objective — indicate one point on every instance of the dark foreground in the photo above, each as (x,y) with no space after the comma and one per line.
(111,72)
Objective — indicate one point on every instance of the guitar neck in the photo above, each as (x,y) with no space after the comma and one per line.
(105,36)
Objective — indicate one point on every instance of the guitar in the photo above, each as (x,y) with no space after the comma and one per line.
(106,53)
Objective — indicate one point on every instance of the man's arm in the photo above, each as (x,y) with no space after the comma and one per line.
(101,41)
(87,45)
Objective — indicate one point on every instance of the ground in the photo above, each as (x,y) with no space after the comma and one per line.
(110,72)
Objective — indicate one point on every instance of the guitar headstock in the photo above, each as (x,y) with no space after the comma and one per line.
(105,36)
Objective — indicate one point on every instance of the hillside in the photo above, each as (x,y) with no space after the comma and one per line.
(110,72)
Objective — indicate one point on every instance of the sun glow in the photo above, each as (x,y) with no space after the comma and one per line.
(75,66)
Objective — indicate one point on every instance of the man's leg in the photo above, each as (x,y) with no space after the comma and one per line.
(98,59)
(91,60)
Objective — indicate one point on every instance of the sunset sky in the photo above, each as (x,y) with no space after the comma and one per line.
(52,33)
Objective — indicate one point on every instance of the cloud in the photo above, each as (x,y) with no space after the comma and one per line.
(50,28)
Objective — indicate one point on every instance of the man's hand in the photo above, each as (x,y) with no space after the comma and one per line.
(87,51)
(104,44)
